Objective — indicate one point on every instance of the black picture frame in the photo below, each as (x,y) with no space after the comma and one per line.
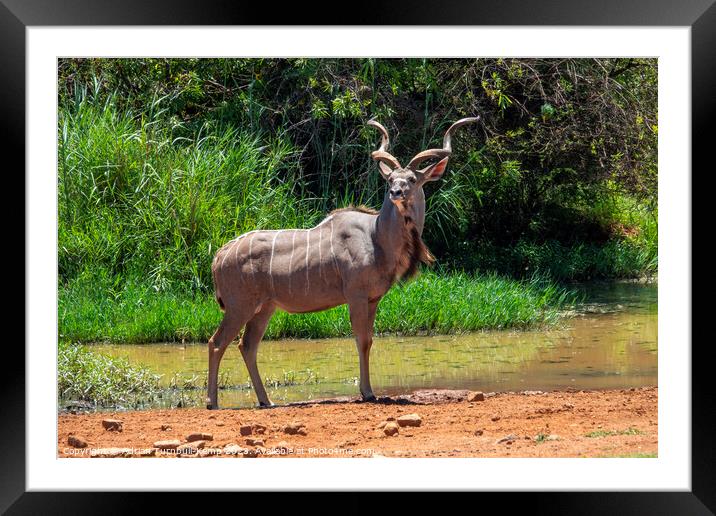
(700,15)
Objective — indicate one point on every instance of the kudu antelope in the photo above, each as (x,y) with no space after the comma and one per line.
(353,256)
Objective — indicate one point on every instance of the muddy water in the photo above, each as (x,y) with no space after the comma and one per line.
(610,341)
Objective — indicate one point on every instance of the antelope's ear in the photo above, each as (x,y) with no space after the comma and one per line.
(385,170)
(436,171)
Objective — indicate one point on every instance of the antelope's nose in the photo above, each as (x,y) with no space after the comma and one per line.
(396,192)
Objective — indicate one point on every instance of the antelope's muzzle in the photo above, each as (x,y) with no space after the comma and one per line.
(396,194)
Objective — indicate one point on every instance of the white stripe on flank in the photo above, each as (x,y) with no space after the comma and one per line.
(273,247)
(226,253)
(320,253)
(228,250)
(293,247)
(237,245)
(251,261)
(308,243)
(237,242)
(333,254)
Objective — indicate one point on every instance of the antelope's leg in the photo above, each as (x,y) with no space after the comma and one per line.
(249,347)
(229,328)
(362,320)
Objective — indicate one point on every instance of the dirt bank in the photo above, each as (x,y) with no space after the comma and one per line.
(612,423)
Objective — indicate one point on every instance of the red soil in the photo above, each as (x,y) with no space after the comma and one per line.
(555,424)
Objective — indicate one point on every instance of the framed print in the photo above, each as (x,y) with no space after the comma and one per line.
(463,237)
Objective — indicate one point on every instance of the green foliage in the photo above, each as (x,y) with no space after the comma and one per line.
(591,236)
(615,259)
(101,380)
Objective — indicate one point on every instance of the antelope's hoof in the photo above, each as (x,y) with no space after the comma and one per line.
(265,405)
(369,397)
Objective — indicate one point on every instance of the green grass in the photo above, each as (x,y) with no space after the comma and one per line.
(142,197)
(95,308)
(607,433)
(86,376)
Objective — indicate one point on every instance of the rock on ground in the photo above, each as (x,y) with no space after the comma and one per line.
(410,420)
(76,442)
(508,439)
(476,396)
(199,436)
(295,428)
(391,429)
(113,425)
(171,444)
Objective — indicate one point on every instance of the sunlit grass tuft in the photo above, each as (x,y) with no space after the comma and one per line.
(101,380)
(608,433)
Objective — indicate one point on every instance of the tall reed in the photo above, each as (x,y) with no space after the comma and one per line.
(140,197)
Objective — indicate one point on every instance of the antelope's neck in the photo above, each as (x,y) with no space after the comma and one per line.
(391,224)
